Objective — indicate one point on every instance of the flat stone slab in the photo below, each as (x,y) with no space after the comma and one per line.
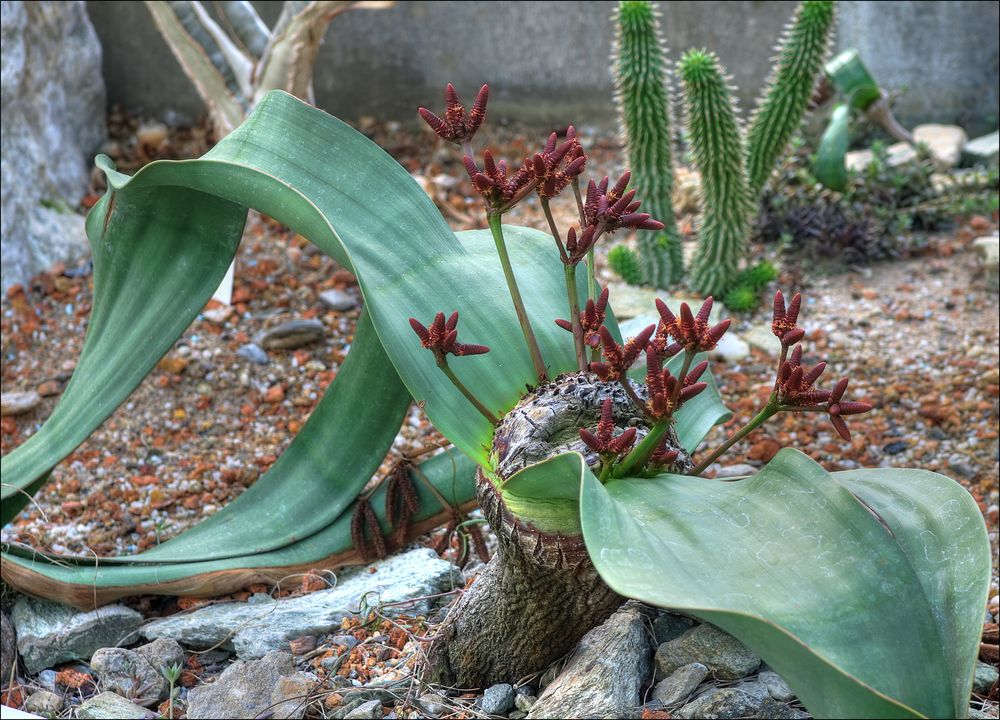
(984,149)
(254,629)
(607,672)
(109,706)
(49,633)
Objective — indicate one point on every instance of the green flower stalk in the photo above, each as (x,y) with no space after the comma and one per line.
(717,148)
(804,47)
(641,79)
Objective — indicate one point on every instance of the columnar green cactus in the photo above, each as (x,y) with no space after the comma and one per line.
(804,47)
(717,147)
(641,78)
(624,261)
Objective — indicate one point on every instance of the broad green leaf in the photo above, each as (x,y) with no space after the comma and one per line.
(829,167)
(861,621)
(91,582)
(334,186)
(321,472)
(547,494)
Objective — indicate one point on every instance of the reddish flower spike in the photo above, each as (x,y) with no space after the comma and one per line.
(782,320)
(617,358)
(691,332)
(603,441)
(442,338)
(456,127)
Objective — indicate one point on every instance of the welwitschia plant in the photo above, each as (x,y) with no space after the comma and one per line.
(864,589)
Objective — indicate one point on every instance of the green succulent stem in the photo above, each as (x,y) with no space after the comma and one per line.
(780,109)
(640,454)
(769,411)
(496,227)
(717,148)
(443,364)
(643,97)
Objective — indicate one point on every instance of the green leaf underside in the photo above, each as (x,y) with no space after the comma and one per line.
(860,621)
(451,473)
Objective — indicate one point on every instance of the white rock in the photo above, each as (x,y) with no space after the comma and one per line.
(988,247)
(255,629)
(109,706)
(944,142)
(899,154)
(983,150)
(761,337)
(731,348)
(18,403)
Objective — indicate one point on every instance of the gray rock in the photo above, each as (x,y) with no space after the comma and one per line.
(253,630)
(524,702)
(725,656)
(776,685)
(48,633)
(18,403)
(433,704)
(517,715)
(668,626)
(162,653)
(52,93)
(771,709)
(606,673)
(721,703)
(676,688)
(988,248)
(738,470)
(47,680)
(110,706)
(731,348)
(945,143)
(497,699)
(44,703)
(290,335)
(249,689)
(984,678)
(338,300)
(129,674)
(984,150)
(348,641)
(8,646)
(370,710)
(753,688)
(761,338)
(254,353)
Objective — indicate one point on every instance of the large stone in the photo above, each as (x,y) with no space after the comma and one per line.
(128,673)
(680,684)
(497,699)
(48,633)
(290,335)
(984,150)
(18,403)
(255,629)
(945,143)
(249,689)
(721,703)
(52,93)
(605,675)
(162,654)
(984,678)
(897,155)
(110,706)
(988,248)
(338,300)
(725,656)
(776,685)
(44,702)
(8,646)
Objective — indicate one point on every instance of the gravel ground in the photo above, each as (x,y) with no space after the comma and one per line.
(918,337)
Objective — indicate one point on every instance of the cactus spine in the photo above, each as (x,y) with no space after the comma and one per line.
(780,109)
(641,78)
(717,148)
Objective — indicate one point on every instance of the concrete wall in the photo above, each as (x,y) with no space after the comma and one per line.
(548,62)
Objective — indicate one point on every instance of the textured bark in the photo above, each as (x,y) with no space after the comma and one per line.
(540,593)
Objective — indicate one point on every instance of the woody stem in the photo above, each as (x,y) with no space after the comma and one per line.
(515,296)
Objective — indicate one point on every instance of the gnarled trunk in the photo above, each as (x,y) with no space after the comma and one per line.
(540,593)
